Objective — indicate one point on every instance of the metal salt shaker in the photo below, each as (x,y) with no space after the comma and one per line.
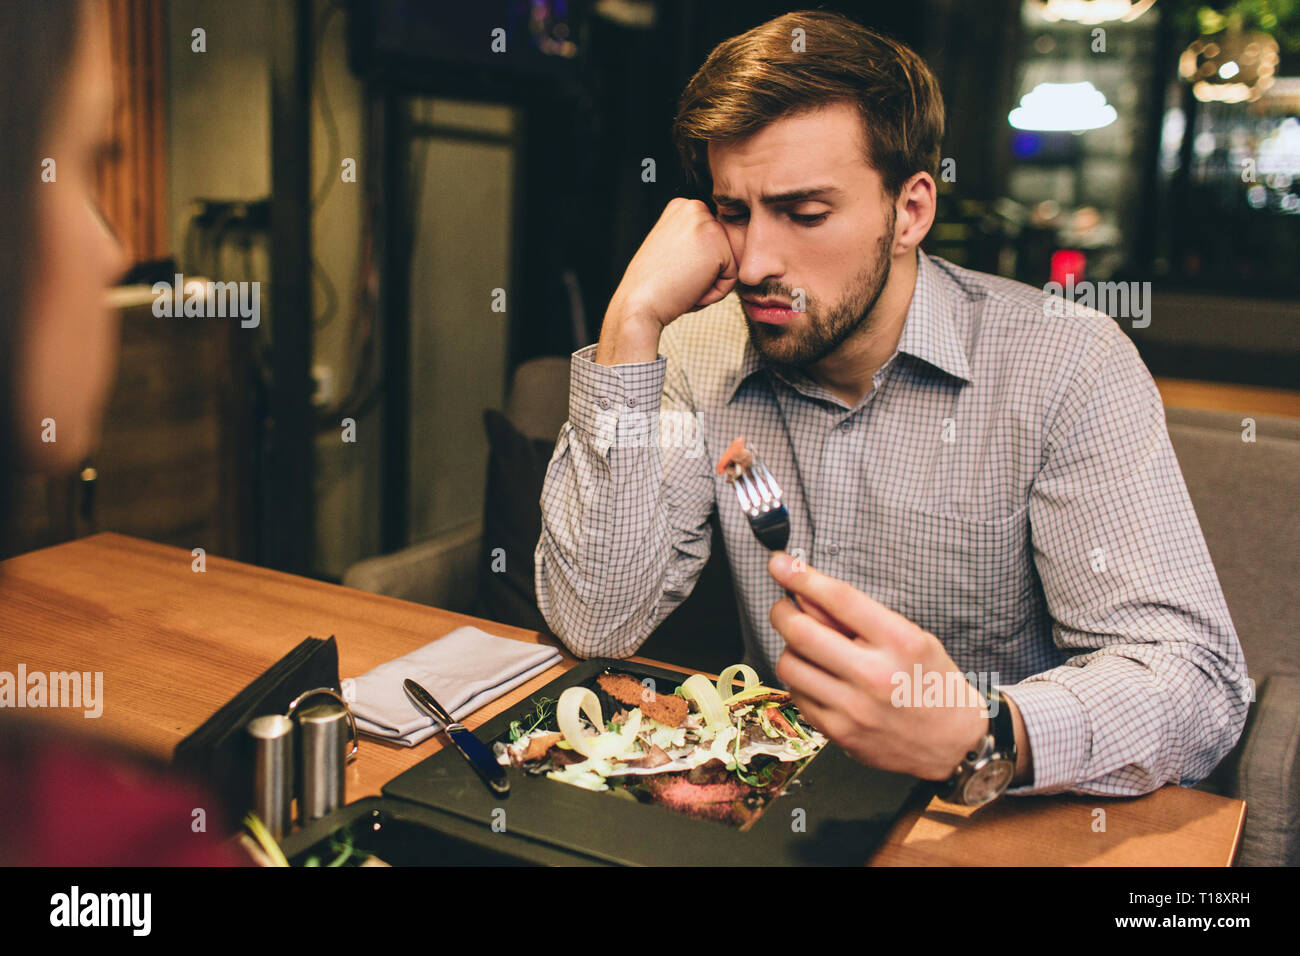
(323,752)
(273,771)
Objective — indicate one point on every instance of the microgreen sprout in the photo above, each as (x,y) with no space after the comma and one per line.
(543,707)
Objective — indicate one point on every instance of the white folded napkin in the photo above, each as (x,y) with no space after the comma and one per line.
(463,671)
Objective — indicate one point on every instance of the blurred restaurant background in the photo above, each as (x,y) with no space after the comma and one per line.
(436,225)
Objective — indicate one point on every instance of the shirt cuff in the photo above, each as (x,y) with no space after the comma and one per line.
(602,396)
(1058,732)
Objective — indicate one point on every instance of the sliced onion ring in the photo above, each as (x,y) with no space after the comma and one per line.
(697,688)
(727,679)
(599,746)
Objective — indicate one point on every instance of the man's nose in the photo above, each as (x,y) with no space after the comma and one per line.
(760,255)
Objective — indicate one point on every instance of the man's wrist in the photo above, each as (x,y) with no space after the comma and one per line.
(628,336)
(1024,759)
(984,770)
(972,737)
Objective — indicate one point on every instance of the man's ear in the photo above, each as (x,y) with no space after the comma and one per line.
(915,208)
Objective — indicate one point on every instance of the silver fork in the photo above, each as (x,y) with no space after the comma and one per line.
(760,498)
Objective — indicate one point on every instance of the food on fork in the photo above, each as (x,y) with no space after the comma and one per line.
(759,497)
(735,459)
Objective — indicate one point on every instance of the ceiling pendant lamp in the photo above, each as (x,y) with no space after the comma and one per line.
(1062,107)
(1091,11)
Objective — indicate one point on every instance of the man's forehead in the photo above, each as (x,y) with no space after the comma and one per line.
(813,149)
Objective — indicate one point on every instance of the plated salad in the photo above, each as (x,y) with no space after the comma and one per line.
(709,750)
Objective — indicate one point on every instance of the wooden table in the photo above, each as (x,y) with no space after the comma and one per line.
(174,644)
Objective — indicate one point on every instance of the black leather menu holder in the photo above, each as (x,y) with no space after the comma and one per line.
(220,752)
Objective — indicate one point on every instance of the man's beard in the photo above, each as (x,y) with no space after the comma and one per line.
(824,333)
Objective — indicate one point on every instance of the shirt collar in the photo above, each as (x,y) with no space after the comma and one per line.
(929,330)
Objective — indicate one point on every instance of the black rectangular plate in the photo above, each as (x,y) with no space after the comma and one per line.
(836,813)
(402,833)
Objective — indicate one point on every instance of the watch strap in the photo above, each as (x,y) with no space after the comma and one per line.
(1002,730)
(1001,725)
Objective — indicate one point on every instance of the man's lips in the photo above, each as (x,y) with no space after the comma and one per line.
(771,311)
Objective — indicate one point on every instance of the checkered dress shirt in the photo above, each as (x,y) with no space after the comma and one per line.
(1008,484)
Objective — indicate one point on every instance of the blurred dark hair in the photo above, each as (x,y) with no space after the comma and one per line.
(37,41)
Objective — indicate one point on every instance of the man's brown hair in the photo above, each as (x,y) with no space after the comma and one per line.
(771,71)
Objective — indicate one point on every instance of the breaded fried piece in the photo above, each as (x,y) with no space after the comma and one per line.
(774,694)
(667,709)
(537,747)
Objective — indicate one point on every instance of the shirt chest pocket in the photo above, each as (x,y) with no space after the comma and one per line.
(967,580)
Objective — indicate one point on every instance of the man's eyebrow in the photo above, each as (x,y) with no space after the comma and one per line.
(776,199)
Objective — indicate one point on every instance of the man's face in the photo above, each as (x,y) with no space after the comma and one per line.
(810,225)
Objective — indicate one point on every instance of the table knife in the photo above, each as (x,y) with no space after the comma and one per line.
(470,747)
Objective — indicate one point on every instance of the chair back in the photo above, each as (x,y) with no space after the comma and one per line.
(1247,496)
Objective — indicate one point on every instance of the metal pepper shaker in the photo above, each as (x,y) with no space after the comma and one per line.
(273,771)
(323,752)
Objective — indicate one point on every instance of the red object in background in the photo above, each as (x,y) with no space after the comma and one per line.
(1068,267)
(66,800)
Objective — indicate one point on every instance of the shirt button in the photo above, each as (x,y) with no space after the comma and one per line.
(603,402)
(832,549)
(631,402)
(844,425)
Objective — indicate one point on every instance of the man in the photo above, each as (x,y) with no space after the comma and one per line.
(985,486)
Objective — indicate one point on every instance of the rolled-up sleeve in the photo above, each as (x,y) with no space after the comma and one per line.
(1155,690)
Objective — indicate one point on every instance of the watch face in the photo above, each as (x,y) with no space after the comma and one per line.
(988,782)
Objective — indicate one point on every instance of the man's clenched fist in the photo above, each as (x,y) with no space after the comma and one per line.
(684,264)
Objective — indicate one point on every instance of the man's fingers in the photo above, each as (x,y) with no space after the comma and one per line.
(854,612)
(720,290)
(727,274)
(806,678)
(710,297)
(820,716)
(850,662)
(809,607)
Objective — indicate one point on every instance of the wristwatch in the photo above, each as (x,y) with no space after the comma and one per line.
(986,771)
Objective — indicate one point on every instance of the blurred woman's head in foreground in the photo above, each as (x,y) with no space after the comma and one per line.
(58,338)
